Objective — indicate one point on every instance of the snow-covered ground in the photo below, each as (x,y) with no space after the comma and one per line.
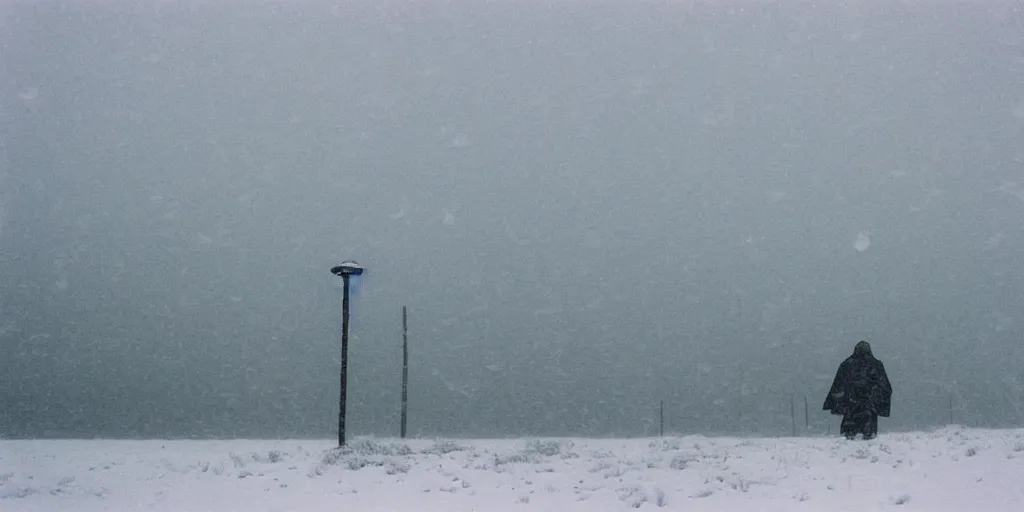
(951,469)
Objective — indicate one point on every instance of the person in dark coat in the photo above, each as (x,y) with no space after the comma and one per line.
(860,393)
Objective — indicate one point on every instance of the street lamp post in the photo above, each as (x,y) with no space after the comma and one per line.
(345,271)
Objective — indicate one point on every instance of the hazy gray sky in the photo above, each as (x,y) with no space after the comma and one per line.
(587,208)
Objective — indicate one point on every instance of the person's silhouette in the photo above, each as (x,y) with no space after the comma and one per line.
(860,393)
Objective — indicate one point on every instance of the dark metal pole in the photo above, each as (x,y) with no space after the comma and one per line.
(346,270)
(405,370)
(344,362)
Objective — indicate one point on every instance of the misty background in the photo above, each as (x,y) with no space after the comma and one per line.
(588,208)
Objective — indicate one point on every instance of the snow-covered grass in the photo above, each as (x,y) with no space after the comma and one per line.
(951,469)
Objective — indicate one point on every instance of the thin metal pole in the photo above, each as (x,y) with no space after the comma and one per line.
(807,416)
(950,407)
(661,419)
(344,363)
(792,412)
(405,370)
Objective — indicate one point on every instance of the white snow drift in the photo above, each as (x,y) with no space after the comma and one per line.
(952,469)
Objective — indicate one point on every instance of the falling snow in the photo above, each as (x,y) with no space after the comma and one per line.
(862,242)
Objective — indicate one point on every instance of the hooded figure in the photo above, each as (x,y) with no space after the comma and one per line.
(860,393)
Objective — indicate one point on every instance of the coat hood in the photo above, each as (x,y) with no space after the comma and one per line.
(862,349)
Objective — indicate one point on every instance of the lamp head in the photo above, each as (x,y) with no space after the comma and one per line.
(347,268)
